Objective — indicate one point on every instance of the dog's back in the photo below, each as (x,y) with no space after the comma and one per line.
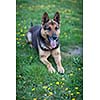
(33,34)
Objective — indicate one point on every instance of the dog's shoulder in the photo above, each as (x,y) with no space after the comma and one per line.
(34,29)
(33,34)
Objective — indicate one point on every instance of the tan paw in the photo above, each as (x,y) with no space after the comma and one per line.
(51,70)
(31,46)
(61,70)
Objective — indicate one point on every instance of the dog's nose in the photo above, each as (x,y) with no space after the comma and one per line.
(54,36)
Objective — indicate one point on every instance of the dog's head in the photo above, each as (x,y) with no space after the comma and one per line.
(51,28)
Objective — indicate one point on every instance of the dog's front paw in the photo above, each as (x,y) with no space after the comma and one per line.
(51,70)
(61,70)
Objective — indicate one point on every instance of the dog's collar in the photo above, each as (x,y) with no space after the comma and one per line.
(43,45)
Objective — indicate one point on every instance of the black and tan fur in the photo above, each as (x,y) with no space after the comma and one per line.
(45,39)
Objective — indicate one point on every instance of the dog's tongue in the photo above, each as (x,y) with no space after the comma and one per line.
(53,43)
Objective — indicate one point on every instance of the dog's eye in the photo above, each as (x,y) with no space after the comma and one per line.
(45,28)
(49,28)
(56,28)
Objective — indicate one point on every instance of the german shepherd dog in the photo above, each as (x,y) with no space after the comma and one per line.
(45,38)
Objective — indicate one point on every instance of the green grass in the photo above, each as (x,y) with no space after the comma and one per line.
(33,81)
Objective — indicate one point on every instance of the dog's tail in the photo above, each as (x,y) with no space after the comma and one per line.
(31,24)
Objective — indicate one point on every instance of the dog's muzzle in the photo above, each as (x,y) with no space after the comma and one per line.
(53,40)
(54,36)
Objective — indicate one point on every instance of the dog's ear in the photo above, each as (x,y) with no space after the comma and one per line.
(57,17)
(45,18)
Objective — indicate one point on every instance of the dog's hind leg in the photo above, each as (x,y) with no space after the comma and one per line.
(29,39)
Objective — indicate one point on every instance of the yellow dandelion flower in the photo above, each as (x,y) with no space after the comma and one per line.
(17,38)
(62,83)
(31,57)
(21,30)
(20,76)
(45,87)
(18,24)
(79,69)
(25,27)
(44,99)
(40,82)
(49,88)
(50,93)
(57,83)
(66,94)
(76,88)
(73,99)
(18,42)
(33,89)
(66,89)
(18,32)
(65,33)
(71,74)
(45,94)
(50,83)
(71,94)
(61,86)
(69,91)
(63,78)
(35,99)
(23,35)
(77,92)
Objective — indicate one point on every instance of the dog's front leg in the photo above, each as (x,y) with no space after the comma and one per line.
(43,57)
(57,57)
(47,63)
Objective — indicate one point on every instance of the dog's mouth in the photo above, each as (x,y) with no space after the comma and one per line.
(53,43)
(53,40)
